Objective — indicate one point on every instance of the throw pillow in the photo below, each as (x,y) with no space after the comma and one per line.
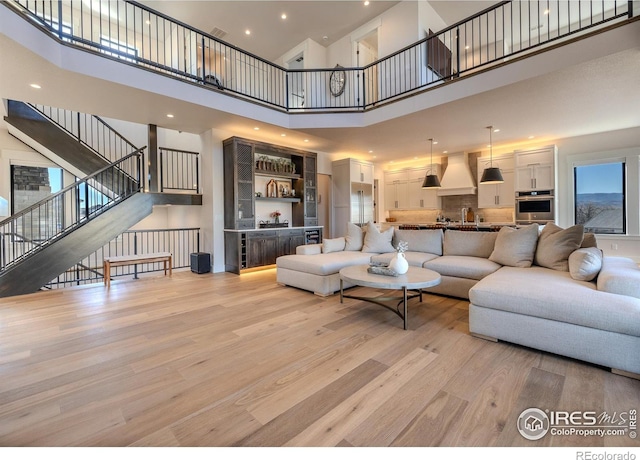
(354,238)
(420,240)
(585,263)
(377,241)
(515,247)
(556,244)
(589,241)
(333,245)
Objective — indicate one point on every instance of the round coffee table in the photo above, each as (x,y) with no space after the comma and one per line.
(415,279)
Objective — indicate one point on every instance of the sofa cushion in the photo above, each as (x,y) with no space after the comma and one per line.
(515,247)
(474,244)
(415,259)
(556,244)
(333,244)
(315,248)
(474,268)
(420,240)
(377,241)
(620,275)
(322,264)
(585,264)
(354,238)
(554,295)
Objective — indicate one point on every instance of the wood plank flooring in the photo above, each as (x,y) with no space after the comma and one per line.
(227,360)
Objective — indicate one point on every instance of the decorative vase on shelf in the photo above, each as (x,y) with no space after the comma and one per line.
(277,219)
(399,264)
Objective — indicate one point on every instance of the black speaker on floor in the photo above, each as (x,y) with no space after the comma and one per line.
(200,262)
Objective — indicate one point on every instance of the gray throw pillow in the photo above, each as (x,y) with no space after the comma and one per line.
(377,241)
(515,247)
(556,244)
(429,241)
(585,263)
(354,238)
(589,241)
(333,245)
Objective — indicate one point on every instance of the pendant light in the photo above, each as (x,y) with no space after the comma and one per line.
(491,175)
(431,180)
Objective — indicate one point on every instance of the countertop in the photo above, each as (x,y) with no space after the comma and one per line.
(244,230)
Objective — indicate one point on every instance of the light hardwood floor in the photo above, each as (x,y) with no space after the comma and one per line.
(227,360)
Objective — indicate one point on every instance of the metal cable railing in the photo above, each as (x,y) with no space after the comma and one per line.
(180,242)
(90,130)
(136,35)
(31,229)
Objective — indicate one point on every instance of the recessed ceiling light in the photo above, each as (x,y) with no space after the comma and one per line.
(435,142)
(370,151)
(531,137)
(284,16)
(169,115)
(283,135)
(445,151)
(247,32)
(497,130)
(366,3)
(256,128)
(306,140)
(35,86)
(466,47)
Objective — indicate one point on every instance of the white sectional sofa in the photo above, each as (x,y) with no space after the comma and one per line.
(544,290)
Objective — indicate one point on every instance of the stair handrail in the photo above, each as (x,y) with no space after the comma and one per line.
(85,137)
(123,178)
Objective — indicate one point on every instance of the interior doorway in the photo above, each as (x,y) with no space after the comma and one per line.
(296,82)
(324,204)
(366,50)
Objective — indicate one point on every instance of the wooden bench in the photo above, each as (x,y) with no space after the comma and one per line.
(118,261)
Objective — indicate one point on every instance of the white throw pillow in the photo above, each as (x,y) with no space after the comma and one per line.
(377,241)
(354,238)
(515,247)
(333,245)
(585,264)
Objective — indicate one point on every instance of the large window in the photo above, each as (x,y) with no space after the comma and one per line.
(600,197)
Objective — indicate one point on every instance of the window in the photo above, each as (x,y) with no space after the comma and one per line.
(600,197)
(118,49)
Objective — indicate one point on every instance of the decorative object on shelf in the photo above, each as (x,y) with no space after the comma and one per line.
(258,194)
(284,189)
(470,217)
(431,180)
(272,189)
(491,175)
(337,81)
(276,215)
(399,263)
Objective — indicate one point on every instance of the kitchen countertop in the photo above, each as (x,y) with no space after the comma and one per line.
(242,230)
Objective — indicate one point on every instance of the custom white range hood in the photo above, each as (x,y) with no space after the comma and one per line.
(457,179)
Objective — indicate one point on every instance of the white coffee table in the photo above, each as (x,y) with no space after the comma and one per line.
(415,279)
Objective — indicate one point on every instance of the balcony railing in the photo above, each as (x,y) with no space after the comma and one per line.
(136,35)
(179,170)
(180,242)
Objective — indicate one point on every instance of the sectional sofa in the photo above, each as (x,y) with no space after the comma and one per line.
(551,290)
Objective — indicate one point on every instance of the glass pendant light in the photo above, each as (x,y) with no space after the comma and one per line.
(491,175)
(431,180)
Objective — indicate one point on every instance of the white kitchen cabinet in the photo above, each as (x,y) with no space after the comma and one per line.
(497,195)
(535,169)
(422,198)
(396,185)
(361,171)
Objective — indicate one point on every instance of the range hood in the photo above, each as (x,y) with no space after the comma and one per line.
(457,178)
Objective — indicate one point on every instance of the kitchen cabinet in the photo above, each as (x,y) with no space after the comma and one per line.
(422,198)
(396,190)
(497,195)
(535,169)
(352,190)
